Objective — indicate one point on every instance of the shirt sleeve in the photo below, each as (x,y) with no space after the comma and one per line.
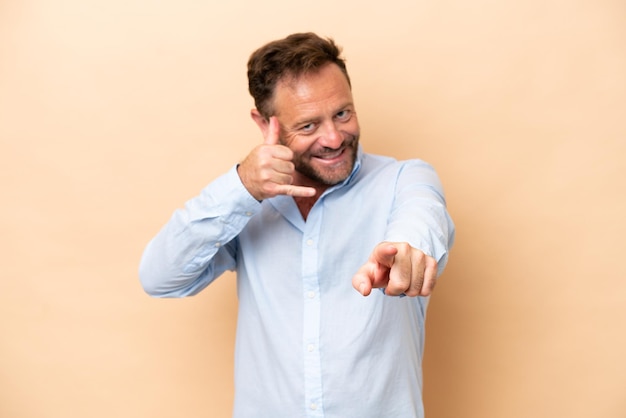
(419,215)
(198,243)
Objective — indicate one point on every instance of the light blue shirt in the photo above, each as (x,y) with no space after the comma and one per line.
(308,344)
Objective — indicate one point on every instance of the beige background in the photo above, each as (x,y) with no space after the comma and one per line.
(113,113)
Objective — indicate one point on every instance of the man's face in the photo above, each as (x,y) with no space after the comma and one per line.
(319,124)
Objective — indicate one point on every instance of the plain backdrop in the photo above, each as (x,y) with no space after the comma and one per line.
(114,113)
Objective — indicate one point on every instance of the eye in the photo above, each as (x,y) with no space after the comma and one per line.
(343,115)
(308,128)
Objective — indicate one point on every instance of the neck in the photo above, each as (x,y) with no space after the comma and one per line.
(305,204)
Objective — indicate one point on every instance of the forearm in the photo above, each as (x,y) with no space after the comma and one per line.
(197,244)
(419,214)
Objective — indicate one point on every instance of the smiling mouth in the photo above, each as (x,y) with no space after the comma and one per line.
(328,156)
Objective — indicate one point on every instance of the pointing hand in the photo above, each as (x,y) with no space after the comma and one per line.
(399,269)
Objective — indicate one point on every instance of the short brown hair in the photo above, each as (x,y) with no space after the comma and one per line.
(292,56)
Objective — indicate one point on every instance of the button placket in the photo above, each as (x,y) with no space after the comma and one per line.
(311,325)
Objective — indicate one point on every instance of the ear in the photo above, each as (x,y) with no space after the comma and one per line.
(262,123)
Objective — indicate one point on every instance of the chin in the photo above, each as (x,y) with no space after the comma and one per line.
(332,177)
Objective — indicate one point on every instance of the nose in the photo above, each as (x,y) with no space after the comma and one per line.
(331,136)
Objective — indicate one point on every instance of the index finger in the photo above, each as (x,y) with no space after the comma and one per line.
(385,254)
(375,272)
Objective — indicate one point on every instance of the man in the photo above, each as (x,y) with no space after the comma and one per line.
(312,224)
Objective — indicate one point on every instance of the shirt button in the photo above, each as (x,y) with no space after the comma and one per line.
(248,213)
(309,242)
(311,294)
(313,407)
(217,244)
(310,347)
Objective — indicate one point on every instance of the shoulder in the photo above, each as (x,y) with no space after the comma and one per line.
(401,173)
(374,162)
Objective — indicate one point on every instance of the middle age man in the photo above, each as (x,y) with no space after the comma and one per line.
(312,224)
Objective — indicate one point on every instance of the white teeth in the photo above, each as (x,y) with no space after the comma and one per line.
(330,156)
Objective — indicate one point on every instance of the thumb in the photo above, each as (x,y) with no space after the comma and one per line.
(273,132)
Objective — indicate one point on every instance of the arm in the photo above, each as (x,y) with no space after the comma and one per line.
(197,244)
(418,237)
